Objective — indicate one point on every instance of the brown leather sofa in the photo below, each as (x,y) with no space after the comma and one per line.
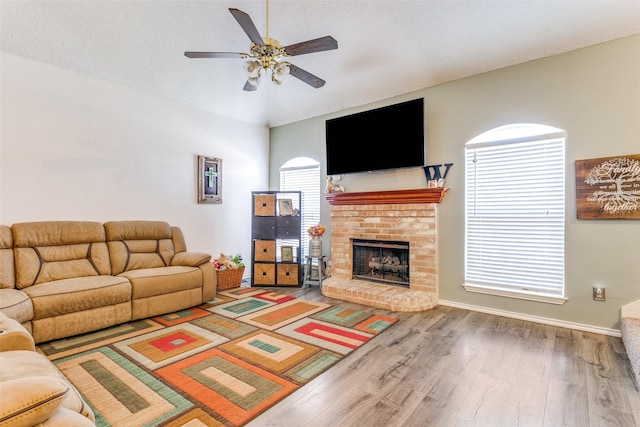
(64,278)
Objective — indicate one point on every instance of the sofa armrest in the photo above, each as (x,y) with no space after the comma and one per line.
(30,401)
(190,259)
(13,336)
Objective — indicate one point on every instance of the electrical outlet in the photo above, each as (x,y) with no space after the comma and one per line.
(598,293)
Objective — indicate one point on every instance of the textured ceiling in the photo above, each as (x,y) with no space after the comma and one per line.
(386,48)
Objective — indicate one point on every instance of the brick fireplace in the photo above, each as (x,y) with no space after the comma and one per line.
(403,215)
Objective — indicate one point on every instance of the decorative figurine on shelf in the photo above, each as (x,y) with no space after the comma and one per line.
(329,187)
(315,244)
(333,185)
(435,177)
(337,187)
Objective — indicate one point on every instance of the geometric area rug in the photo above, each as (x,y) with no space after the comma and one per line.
(219,364)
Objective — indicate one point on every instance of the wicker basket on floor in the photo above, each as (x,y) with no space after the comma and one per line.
(228,278)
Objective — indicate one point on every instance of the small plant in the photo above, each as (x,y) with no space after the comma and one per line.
(316,231)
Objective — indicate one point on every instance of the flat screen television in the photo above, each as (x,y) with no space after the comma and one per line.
(390,137)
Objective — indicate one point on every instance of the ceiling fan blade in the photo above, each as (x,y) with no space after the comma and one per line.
(306,76)
(247,25)
(214,55)
(310,46)
(249,87)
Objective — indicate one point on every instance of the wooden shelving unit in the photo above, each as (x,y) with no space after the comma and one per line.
(276,230)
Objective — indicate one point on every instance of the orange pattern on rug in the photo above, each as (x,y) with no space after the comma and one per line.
(231,387)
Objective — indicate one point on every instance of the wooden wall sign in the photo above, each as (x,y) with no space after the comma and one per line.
(608,188)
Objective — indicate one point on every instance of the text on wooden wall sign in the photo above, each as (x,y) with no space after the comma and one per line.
(608,188)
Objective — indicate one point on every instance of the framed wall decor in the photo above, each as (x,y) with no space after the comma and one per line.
(209,179)
(608,188)
(285,207)
(286,253)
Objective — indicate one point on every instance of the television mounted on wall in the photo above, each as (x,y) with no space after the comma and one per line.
(390,137)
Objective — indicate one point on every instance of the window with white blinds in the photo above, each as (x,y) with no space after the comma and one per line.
(303,174)
(515,213)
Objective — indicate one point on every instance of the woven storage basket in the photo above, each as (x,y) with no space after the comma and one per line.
(264,274)
(264,205)
(287,274)
(228,278)
(264,250)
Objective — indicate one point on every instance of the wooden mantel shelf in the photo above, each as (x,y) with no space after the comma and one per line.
(421,195)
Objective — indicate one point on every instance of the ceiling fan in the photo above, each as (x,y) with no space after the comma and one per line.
(266,54)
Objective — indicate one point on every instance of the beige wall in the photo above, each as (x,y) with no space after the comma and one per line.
(593,94)
(78,148)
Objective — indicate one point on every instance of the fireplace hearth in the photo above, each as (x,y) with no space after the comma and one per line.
(381,261)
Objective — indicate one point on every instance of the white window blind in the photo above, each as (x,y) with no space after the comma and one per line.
(303,174)
(515,214)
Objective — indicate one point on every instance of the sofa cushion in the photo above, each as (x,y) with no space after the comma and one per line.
(22,364)
(135,245)
(54,250)
(150,282)
(7,273)
(179,244)
(78,294)
(16,304)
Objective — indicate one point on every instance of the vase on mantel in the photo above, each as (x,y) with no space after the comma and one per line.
(315,246)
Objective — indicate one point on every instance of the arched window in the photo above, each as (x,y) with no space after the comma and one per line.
(303,174)
(515,212)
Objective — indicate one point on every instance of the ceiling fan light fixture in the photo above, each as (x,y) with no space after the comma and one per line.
(254,81)
(280,70)
(253,68)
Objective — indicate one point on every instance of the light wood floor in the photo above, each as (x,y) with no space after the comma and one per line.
(452,367)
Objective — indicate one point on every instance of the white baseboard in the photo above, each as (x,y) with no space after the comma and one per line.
(530,318)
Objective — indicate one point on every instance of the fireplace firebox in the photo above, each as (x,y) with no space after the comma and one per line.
(381,261)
